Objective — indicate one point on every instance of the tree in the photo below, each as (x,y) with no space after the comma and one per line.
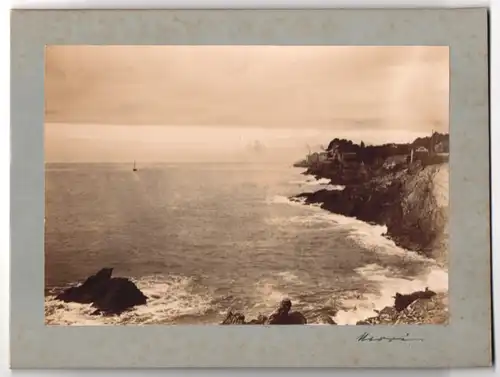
(362,145)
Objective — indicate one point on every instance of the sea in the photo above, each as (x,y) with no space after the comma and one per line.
(200,239)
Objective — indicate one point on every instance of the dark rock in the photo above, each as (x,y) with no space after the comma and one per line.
(295,318)
(362,323)
(261,320)
(234,319)
(328,320)
(100,277)
(86,292)
(108,295)
(388,311)
(283,316)
(239,319)
(428,308)
(401,302)
(397,313)
(119,295)
(279,316)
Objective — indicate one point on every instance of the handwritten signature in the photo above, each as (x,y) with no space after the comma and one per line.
(367,337)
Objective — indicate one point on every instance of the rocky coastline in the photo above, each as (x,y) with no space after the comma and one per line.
(409,196)
(412,203)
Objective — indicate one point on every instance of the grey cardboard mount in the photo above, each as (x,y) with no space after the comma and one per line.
(465,342)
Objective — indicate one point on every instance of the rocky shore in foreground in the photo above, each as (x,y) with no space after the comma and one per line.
(112,296)
(420,307)
(424,311)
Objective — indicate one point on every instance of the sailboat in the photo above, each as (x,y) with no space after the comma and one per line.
(134,169)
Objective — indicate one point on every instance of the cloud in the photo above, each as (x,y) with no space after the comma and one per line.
(223,98)
(248,85)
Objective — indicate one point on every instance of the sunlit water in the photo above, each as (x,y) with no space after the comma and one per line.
(200,239)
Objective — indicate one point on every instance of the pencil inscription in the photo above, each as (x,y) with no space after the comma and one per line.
(367,337)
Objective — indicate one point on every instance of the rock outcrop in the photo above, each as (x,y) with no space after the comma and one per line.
(281,316)
(327,320)
(239,319)
(401,302)
(412,203)
(426,309)
(109,295)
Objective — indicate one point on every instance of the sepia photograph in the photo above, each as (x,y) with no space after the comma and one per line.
(238,184)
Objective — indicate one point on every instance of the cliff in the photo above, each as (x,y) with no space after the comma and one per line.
(412,203)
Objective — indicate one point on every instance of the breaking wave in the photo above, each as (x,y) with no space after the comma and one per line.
(364,306)
(282,199)
(388,280)
(311,181)
(169,298)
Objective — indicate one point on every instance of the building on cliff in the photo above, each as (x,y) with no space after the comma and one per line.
(425,157)
(442,147)
(392,162)
(346,164)
(334,154)
(316,158)
(419,154)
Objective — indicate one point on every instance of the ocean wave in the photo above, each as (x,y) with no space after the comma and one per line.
(363,307)
(282,199)
(334,187)
(313,219)
(270,292)
(368,236)
(169,298)
(288,276)
(371,237)
(311,182)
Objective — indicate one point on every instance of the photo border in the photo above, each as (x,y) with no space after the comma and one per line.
(465,342)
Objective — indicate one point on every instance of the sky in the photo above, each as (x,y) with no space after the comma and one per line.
(169,103)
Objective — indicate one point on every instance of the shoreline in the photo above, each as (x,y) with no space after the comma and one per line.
(384,200)
(404,201)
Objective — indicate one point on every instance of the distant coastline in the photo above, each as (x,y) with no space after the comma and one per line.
(401,186)
(404,187)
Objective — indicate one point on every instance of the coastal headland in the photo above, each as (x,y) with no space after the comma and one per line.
(404,187)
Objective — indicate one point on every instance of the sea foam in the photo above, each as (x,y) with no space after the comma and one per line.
(169,298)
